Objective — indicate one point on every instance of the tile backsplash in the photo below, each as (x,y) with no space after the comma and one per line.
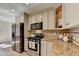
(52,33)
(75,33)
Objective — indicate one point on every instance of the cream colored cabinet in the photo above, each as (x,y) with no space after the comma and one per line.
(43,48)
(46,48)
(29,22)
(33,19)
(45,20)
(49,49)
(51,19)
(70,14)
(39,17)
(47,17)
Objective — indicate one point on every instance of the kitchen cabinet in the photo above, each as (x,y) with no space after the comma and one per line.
(47,17)
(49,49)
(33,19)
(43,48)
(51,19)
(70,14)
(39,17)
(46,48)
(45,20)
(29,22)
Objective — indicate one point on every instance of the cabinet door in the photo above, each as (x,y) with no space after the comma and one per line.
(71,15)
(49,48)
(43,48)
(51,20)
(29,22)
(39,17)
(45,20)
(33,19)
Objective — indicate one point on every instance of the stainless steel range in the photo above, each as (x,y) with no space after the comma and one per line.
(34,44)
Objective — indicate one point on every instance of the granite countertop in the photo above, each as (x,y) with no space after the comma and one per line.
(59,47)
(49,39)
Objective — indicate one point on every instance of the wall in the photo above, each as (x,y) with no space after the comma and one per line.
(5,31)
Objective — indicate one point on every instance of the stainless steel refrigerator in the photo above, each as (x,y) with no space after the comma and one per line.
(18,37)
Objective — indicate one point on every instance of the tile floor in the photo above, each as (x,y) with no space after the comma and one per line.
(6,50)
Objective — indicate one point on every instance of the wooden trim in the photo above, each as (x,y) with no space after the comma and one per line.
(58,15)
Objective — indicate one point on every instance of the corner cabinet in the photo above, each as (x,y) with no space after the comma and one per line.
(70,14)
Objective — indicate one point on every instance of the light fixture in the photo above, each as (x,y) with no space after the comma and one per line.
(12,10)
(27,3)
(0,16)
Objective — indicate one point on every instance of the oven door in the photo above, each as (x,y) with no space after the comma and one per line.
(32,45)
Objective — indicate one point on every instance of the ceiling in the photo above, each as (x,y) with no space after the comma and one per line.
(42,6)
(8,11)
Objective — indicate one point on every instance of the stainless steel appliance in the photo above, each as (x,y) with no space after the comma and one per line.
(36,26)
(18,37)
(13,35)
(34,44)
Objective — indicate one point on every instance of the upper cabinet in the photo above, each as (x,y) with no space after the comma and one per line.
(45,20)
(51,19)
(39,17)
(70,15)
(29,22)
(47,17)
(33,19)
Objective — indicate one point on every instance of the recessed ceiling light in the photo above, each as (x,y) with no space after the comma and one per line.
(12,10)
(0,16)
(27,3)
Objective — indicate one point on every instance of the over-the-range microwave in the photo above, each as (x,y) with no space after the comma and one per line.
(36,26)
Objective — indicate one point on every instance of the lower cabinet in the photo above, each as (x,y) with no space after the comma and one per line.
(49,49)
(43,48)
(46,48)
